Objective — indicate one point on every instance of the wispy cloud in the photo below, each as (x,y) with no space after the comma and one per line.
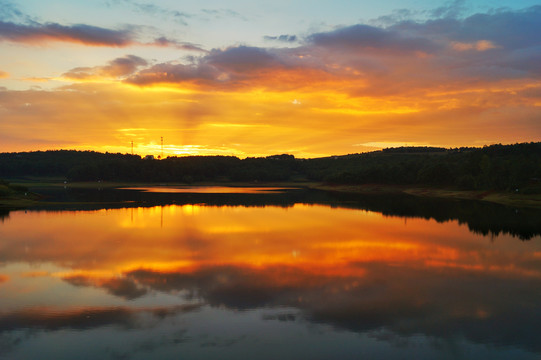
(178,16)
(152,9)
(455,9)
(36,33)
(165,42)
(451,10)
(282,38)
(223,13)
(10,11)
(80,33)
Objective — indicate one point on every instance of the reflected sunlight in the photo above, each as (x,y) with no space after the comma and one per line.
(313,237)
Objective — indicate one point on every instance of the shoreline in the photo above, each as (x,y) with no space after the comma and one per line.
(14,201)
(498,197)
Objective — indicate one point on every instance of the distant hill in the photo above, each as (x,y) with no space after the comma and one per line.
(501,167)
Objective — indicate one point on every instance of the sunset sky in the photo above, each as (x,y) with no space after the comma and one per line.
(248,78)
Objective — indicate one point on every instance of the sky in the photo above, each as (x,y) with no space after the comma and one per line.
(254,78)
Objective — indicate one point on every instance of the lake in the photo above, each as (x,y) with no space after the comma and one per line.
(276,273)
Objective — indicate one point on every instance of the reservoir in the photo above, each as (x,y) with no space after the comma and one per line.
(276,274)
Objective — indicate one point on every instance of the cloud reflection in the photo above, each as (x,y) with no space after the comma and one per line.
(52,319)
(351,269)
(440,303)
(121,287)
(445,303)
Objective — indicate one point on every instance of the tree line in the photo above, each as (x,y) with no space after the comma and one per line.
(500,167)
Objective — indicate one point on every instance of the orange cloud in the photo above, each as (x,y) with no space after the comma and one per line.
(481,45)
(117,68)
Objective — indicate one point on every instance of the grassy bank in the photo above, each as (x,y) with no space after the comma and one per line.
(504,198)
(16,196)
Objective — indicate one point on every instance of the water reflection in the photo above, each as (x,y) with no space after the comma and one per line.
(209,189)
(270,271)
(482,217)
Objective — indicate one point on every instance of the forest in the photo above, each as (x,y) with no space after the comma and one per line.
(499,167)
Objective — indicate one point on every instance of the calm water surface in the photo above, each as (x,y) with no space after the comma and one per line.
(296,281)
